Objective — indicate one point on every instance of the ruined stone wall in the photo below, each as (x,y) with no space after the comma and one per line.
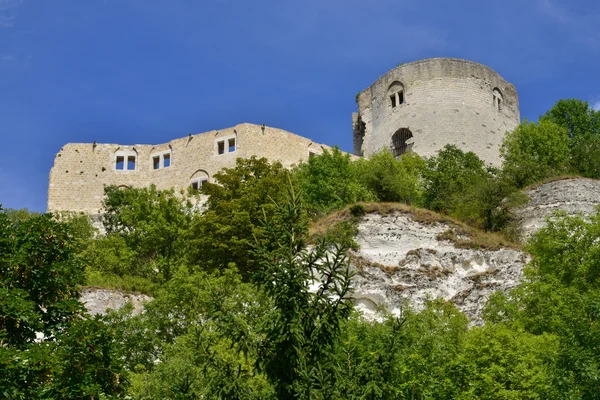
(446,101)
(81,170)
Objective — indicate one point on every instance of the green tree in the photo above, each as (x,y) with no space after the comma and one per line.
(147,233)
(535,151)
(391,179)
(449,176)
(583,125)
(48,346)
(303,329)
(328,182)
(225,233)
(560,297)
(39,278)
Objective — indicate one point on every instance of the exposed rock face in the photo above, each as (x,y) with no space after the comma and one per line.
(570,195)
(401,262)
(98,300)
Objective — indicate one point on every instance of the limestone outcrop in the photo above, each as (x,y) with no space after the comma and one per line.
(98,300)
(404,262)
(572,196)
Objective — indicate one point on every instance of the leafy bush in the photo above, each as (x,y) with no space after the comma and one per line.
(391,179)
(535,151)
(328,182)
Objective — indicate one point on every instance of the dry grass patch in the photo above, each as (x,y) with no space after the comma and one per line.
(462,235)
(554,179)
(360,263)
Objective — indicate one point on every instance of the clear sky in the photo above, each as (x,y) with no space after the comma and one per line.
(148,71)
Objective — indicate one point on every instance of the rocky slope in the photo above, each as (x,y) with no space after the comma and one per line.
(570,195)
(402,261)
(98,300)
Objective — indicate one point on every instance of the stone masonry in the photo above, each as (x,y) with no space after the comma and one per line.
(81,170)
(424,105)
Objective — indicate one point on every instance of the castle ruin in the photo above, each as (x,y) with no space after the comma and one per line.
(81,170)
(424,105)
(418,107)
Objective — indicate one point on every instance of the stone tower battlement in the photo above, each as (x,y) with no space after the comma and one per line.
(424,105)
(81,170)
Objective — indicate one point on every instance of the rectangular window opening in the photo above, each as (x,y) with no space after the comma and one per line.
(231,144)
(221,147)
(195,186)
(156,162)
(131,163)
(401,97)
(166,160)
(393,98)
(120,162)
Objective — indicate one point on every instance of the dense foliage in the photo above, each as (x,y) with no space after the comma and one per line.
(247,305)
(49,348)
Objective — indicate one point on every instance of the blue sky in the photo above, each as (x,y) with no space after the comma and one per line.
(148,71)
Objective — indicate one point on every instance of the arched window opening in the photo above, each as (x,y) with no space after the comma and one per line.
(402,142)
(198,179)
(497,99)
(396,94)
(125,160)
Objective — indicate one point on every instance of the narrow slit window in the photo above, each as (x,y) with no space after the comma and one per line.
(393,99)
(156,162)
(231,144)
(166,160)
(120,162)
(131,163)
(401,97)
(221,147)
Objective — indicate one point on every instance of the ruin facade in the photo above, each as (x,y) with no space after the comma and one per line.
(424,105)
(81,170)
(420,107)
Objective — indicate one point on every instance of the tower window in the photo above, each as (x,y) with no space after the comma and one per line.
(231,144)
(396,93)
(221,147)
(156,162)
(497,99)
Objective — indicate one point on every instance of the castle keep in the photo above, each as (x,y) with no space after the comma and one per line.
(81,170)
(418,107)
(424,105)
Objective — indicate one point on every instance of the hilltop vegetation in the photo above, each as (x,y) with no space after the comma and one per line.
(234,314)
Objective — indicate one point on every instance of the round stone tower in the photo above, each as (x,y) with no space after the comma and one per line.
(424,105)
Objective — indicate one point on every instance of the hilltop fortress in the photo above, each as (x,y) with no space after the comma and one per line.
(418,107)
